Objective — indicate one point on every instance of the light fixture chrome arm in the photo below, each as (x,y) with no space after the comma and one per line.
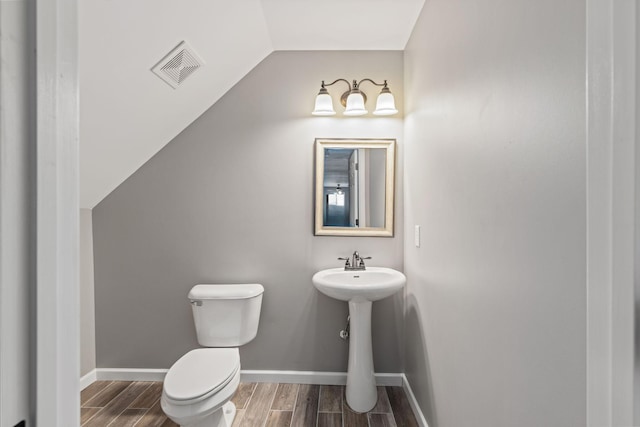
(336,81)
(371,81)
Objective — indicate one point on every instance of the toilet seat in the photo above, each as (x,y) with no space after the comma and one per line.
(200,374)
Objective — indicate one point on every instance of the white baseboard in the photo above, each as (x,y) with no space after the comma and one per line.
(422,421)
(88,379)
(312,377)
(294,377)
(125,374)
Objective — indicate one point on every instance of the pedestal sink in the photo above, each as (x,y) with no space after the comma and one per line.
(360,289)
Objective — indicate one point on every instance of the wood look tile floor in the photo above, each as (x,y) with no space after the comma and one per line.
(128,404)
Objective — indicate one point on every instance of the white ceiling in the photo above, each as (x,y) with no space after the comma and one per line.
(127,114)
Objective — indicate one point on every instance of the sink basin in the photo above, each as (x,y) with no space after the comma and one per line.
(371,284)
(360,288)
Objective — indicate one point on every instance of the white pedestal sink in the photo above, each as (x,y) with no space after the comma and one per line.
(360,288)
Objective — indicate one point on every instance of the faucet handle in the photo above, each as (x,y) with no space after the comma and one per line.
(362,258)
(346,261)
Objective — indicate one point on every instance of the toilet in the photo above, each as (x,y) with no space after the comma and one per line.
(197,389)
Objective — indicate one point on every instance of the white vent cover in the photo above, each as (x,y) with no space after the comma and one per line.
(179,64)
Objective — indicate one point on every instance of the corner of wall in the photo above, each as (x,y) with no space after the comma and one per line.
(87,296)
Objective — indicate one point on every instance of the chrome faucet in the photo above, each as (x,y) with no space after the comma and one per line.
(355,263)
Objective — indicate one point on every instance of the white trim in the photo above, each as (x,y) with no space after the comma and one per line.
(57,341)
(126,374)
(88,379)
(313,377)
(17,314)
(599,200)
(291,377)
(623,211)
(611,128)
(422,421)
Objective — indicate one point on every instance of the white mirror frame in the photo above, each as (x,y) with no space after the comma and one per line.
(390,147)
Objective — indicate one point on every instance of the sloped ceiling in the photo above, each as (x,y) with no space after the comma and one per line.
(127,114)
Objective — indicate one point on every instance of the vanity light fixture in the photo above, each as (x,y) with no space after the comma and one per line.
(354,99)
(339,190)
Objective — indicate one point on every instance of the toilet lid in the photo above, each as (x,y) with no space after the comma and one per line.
(201,371)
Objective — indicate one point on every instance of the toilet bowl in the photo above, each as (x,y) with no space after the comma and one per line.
(197,389)
(199,386)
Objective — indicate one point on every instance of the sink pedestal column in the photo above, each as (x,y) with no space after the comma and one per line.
(361,383)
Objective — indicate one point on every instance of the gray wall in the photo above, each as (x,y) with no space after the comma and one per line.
(495,176)
(16,214)
(229,201)
(87,302)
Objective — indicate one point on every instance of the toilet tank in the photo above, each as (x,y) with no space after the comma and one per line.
(226,315)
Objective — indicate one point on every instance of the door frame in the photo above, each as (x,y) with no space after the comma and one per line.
(57,391)
(611,220)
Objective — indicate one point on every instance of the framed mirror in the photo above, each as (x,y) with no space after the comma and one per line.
(354,187)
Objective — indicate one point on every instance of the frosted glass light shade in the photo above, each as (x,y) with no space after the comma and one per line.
(324,105)
(355,104)
(386,104)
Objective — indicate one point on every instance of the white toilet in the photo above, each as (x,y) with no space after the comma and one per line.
(198,387)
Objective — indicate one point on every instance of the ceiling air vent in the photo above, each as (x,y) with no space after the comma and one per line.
(177,65)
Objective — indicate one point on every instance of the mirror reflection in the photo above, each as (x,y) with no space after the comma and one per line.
(354,187)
